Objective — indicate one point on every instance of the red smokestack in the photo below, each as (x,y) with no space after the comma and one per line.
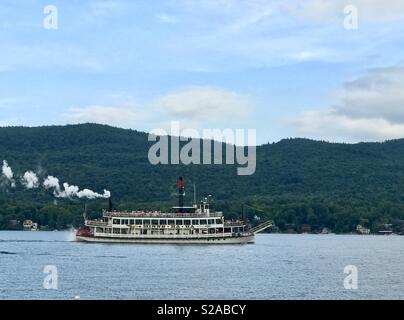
(180,193)
(180,183)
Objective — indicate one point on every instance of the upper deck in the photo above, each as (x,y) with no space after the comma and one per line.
(161,214)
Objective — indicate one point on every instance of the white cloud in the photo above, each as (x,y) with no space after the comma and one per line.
(377,94)
(125,117)
(204,103)
(369,108)
(215,35)
(315,54)
(195,107)
(328,10)
(271,32)
(261,33)
(106,7)
(166,18)
(333,126)
(4,68)
(7,102)
(28,57)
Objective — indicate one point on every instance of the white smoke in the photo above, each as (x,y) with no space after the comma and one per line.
(8,173)
(30,180)
(69,191)
(52,183)
(89,194)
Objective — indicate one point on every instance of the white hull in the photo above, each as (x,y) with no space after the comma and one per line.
(212,240)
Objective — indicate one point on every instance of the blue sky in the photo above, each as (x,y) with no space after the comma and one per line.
(285,68)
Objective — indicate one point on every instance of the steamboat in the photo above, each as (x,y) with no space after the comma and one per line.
(196,224)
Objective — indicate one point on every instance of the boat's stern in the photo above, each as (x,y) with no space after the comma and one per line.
(83,233)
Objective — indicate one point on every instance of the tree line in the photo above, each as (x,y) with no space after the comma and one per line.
(297,181)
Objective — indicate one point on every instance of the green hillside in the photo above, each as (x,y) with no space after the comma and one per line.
(297,181)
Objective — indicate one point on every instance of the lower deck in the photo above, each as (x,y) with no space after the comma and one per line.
(207,239)
(170,231)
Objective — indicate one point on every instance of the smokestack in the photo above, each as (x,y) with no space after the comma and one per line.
(181,193)
(110,203)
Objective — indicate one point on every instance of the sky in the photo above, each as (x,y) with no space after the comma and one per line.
(286,68)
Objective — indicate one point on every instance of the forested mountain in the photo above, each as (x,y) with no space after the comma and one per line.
(297,181)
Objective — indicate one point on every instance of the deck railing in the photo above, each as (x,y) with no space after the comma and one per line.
(262,226)
(157,214)
(97,223)
(167,236)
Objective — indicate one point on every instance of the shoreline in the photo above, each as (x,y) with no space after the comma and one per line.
(264,233)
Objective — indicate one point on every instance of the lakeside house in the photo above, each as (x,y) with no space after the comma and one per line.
(29,225)
(362,230)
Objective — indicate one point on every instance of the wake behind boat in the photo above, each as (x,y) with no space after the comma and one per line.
(197,224)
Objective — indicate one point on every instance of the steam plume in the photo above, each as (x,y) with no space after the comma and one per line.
(30,180)
(70,191)
(52,183)
(8,173)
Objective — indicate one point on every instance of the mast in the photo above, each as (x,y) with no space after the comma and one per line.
(85,212)
(242,212)
(194,193)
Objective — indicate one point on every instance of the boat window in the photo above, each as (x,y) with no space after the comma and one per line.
(211,221)
(117,221)
(126,221)
(171,221)
(146,221)
(195,222)
(138,221)
(179,222)
(163,222)
(187,222)
(203,221)
(155,222)
(218,221)
(131,221)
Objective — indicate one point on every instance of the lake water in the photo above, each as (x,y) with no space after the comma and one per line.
(275,267)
